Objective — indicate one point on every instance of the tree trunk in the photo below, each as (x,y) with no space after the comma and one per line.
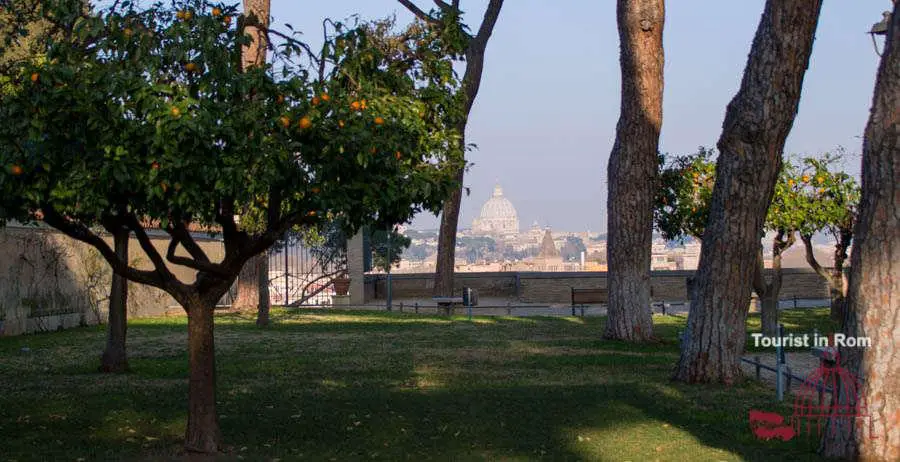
(757,122)
(471,82)
(446,251)
(114,358)
(769,292)
(254,53)
(873,299)
(837,283)
(262,315)
(632,169)
(248,285)
(202,433)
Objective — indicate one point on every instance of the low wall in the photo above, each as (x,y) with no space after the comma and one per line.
(50,281)
(555,287)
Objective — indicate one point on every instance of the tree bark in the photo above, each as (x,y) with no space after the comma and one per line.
(202,435)
(757,122)
(262,314)
(254,53)
(873,299)
(114,357)
(248,284)
(446,251)
(632,169)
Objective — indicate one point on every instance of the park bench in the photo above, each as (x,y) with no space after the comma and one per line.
(582,297)
(469,299)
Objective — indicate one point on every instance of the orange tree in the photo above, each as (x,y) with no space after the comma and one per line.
(142,117)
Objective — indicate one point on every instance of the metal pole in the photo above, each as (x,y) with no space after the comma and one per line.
(287,249)
(389,282)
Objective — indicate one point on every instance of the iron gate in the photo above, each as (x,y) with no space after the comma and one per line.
(302,276)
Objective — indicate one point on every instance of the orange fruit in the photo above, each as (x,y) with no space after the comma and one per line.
(325,97)
(164,186)
(227,20)
(315,100)
(820,179)
(372,150)
(805,178)
(285,121)
(155,165)
(355,106)
(175,111)
(379,121)
(188,15)
(305,123)
(341,123)
(790,182)
(216,12)
(35,77)
(821,190)
(190,67)
(398,155)
(315,190)
(311,213)
(363,104)
(128,32)
(280,99)
(179,15)
(16,170)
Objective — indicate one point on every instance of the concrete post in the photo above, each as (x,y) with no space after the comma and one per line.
(356,270)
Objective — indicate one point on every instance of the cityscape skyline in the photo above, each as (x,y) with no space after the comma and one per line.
(564,59)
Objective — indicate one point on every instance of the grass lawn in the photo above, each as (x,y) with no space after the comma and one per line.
(380,386)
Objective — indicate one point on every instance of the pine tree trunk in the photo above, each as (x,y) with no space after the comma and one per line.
(633,169)
(838,283)
(202,435)
(114,357)
(254,53)
(446,251)
(769,314)
(471,82)
(757,122)
(262,315)
(248,283)
(873,299)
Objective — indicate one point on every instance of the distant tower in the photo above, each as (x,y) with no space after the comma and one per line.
(548,248)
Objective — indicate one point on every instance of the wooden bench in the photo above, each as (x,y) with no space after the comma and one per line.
(447,303)
(581,297)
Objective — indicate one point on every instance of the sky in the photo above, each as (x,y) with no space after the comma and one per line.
(545,117)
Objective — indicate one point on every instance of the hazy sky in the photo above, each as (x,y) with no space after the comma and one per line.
(545,117)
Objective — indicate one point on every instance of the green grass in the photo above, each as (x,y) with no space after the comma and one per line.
(379,386)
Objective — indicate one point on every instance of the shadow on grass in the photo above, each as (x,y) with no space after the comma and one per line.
(351,386)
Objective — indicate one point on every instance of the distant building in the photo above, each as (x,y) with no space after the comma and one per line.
(498,216)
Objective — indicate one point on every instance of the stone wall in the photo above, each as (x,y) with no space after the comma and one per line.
(555,287)
(48,280)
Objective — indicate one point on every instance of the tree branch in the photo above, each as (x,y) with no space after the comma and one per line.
(488,23)
(146,244)
(811,257)
(200,262)
(81,233)
(418,12)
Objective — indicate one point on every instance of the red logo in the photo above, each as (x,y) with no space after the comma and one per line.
(813,410)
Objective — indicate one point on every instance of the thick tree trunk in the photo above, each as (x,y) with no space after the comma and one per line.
(873,299)
(632,169)
(757,122)
(254,53)
(248,284)
(471,82)
(202,433)
(446,251)
(114,358)
(262,314)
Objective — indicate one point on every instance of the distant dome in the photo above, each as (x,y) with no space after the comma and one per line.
(498,216)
